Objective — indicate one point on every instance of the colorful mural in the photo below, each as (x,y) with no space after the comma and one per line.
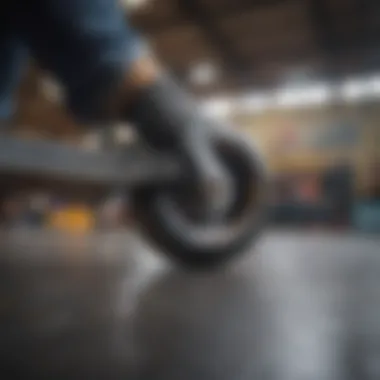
(337,135)
(315,138)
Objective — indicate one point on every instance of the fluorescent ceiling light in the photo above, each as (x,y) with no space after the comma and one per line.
(218,107)
(361,88)
(255,102)
(354,89)
(375,84)
(315,94)
(311,95)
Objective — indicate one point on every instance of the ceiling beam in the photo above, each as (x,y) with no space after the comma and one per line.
(238,7)
(234,9)
(193,10)
(324,26)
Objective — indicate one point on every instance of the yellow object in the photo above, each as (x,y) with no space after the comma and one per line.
(75,219)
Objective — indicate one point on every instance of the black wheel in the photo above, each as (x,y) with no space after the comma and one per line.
(164,218)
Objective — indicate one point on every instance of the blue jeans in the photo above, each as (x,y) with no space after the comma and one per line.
(86,44)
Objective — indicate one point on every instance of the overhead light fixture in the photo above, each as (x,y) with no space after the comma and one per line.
(315,94)
(218,107)
(375,84)
(255,102)
(354,90)
(361,89)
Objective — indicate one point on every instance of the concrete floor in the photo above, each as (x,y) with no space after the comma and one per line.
(303,306)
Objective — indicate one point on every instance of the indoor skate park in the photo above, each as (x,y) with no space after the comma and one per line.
(86,294)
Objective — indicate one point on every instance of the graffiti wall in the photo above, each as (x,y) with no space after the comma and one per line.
(316,138)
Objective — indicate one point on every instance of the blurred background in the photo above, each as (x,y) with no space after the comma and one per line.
(302,79)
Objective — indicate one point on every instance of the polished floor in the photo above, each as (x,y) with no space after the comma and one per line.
(302,306)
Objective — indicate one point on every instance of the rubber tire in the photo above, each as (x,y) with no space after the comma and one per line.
(247,216)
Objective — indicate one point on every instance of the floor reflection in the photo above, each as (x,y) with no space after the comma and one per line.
(301,307)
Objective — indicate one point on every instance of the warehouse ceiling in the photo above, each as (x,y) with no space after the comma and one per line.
(228,46)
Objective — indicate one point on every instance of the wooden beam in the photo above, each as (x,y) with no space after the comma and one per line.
(207,22)
(235,9)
